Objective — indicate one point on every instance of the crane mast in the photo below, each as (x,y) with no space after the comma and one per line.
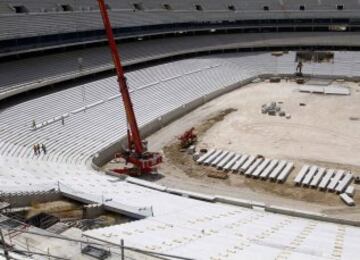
(136,154)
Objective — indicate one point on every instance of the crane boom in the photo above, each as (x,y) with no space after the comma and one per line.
(135,133)
(137,154)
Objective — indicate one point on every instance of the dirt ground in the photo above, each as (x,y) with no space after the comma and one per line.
(322,132)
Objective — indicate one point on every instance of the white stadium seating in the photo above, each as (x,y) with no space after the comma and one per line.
(79,122)
(54,20)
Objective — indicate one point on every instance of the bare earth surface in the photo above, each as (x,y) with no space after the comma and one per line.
(319,133)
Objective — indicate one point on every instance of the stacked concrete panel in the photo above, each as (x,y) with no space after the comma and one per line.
(350,191)
(309,176)
(261,168)
(335,180)
(344,183)
(301,175)
(253,166)
(317,178)
(212,157)
(236,167)
(219,158)
(326,179)
(275,173)
(265,174)
(232,162)
(243,168)
(347,199)
(205,156)
(249,165)
(225,160)
(285,172)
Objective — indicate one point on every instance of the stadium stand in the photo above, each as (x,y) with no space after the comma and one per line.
(75,143)
(56,23)
(77,123)
(52,68)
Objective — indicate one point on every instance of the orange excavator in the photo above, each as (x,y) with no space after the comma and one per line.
(142,161)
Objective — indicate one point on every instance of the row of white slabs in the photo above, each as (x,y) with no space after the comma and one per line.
(324,179)
(331,180)
(188,227)
(327,90)
(249,165)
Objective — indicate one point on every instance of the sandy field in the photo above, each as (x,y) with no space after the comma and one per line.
(321,133)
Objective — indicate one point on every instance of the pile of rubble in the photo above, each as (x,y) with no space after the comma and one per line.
(273,109)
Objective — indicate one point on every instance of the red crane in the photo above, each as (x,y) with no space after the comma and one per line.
(188,138)
(137,154)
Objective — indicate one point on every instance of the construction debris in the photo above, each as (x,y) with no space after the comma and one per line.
(191,149)
(300,80)
(357,180)
(277,53)
(273,109)
(218,175)
(354,118)
(275,79)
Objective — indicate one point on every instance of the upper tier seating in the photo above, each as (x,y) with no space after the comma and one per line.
(21,75)
(51,17)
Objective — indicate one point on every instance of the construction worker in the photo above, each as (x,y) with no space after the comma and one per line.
(299,67)
(37,149)
(43,148)
(33,124)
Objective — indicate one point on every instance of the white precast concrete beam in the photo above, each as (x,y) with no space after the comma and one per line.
(261,167)
(239,163)
(277,170)
(298,179)
(232,162)
(219,158)
(306,181)
(224,161)
(350,190)
(347,199)
(326,179)
(335,180)
(212,157)
(247,164)
(252,168)
(344,183)
(268,169)
(205,156)
(317,178)
(285,173)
